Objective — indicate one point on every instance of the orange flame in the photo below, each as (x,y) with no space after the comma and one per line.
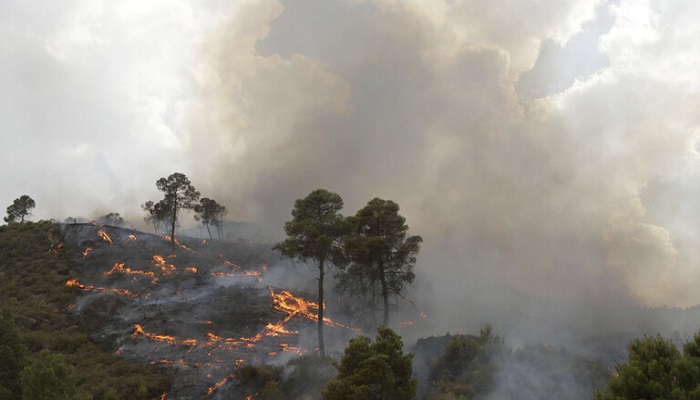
(123,292)
(413,322)
(105,236)
(132,237)
(87,251)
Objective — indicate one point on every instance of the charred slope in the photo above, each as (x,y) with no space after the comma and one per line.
(203,310)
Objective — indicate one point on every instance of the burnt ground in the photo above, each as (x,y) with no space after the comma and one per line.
(200,309)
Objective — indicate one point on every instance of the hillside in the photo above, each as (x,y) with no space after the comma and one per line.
(34,267)
(143,319)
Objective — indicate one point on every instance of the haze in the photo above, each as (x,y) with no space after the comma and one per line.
(547,145)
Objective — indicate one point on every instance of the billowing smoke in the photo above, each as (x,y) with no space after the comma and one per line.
(545,145)
(421,104)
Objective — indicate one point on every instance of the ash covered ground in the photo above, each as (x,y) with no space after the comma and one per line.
(201,309)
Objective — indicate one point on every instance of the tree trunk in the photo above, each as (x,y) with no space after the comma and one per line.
(321,273)
(385,293)
(172,229)
(210,237)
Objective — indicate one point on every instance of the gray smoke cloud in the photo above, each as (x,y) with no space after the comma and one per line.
(546,145)
(420,104)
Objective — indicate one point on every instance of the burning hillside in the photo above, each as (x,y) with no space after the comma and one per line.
(201,310)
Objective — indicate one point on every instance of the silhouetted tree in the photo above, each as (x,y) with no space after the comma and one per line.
(179,195)
(113,219)
(156,214)
(372,371)
(380,253)
(316,233)
(210,213)
(19,209)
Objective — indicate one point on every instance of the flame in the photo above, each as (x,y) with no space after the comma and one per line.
(123,292)
(204,242)
(191,269)
(177,242)
(87,251)
(220,383)
(159,261)
(413,322)
(105,236)
(286,302)
(132,237)
(119,267)
(139,331)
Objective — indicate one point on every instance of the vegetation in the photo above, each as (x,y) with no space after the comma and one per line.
(372,371)
(19,209)
(33,272)
(316,233)
(179,194)
(657,369)
(382,256)
(13,356)
(112,219)
(210,213)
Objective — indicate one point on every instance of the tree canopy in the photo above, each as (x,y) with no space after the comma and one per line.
(316,233)
(210,213)
(656,369)
(382,256)
(19,209)
(112,219)
(372,371)
(179,194)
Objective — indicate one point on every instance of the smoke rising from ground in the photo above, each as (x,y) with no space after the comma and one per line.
(418,104)
(587,193)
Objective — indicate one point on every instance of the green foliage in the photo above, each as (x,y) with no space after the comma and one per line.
(656,369)
(33,273)
(210,213)
(371,371)
(316,232)
(316,229)
(466,368)
(12,358)
(49,377)
(382,256)
(19,209)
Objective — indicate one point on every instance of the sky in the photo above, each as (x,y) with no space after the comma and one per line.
(548,145)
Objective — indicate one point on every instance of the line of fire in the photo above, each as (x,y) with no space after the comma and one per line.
(232,314)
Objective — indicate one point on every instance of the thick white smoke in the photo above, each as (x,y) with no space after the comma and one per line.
(586,193)
(419,104)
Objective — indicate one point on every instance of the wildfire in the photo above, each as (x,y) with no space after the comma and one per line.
(286,302)
(413,322)
(159,261)
(87,251)
(191,270)
(220,383)
(139,331)
(119,267)
(132,237)
(123,292)
(105,236)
